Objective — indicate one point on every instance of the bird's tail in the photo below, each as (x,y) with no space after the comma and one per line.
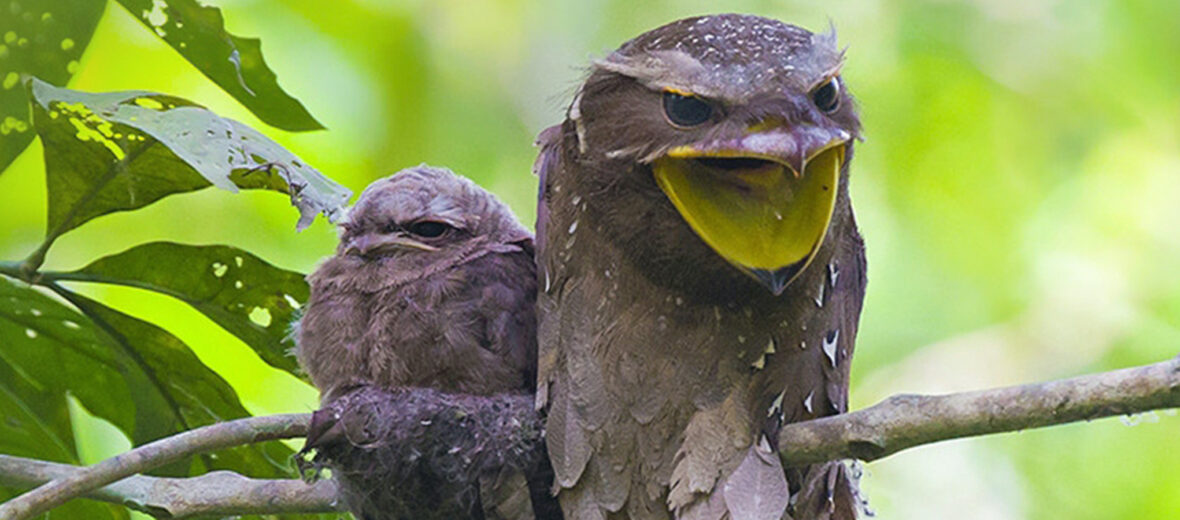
(828,491)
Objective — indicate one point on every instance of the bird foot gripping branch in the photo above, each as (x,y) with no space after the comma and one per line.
(470,455)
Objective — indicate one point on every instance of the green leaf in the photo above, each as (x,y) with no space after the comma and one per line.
(120,151)
(198,33)
(36,419)
(248,297)
(42,38)
(35,416)
(129,372)
(195,395)
(56,349)
(36,424)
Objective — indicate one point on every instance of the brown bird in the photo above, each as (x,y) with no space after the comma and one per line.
(418,453)
(432,286)
(701,274)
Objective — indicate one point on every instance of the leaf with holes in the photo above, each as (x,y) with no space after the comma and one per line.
(198,33)
(140,378)
(43,38)
(120,151)
(248,297)
(57,349)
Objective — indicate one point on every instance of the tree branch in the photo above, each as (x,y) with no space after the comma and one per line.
(906,421)
(152,455)
(220,493)
(898,423)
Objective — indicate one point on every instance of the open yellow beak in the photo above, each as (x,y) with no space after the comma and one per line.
(754,209)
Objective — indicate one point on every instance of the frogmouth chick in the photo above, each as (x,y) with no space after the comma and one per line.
(421,337)
(432,285)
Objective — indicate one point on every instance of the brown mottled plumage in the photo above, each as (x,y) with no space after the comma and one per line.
(415,453)
(666,369)
(433,286)
(395,308)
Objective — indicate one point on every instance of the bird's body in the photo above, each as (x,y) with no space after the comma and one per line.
(432,287)
(670,354)
(463,328)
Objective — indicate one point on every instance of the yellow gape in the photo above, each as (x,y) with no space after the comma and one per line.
(762,219)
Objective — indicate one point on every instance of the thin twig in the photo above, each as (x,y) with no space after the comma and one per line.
(220,493)
(152,455)
(906,421)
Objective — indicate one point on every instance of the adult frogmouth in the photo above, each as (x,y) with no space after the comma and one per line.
(701,274)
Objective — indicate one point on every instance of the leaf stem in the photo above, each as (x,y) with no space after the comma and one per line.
(12,269)
(33,262)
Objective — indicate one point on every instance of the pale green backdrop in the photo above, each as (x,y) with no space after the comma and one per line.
(1019,191)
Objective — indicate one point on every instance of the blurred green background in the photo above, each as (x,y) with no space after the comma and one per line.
(1019,191)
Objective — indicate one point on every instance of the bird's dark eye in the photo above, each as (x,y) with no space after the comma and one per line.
(686,110)
(429,228)
(827,96)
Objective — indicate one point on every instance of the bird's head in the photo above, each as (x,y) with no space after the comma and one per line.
(425,212)
(742,122)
